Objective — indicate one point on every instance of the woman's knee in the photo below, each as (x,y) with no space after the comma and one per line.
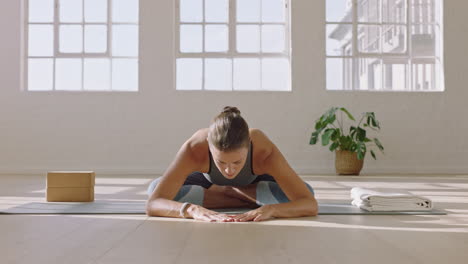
(152,186)
(187,193)
(193,194)
(310,188)
(271,193)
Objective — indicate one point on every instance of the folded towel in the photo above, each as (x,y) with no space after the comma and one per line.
(378,200)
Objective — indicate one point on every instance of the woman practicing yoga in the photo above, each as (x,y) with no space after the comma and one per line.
(229,165)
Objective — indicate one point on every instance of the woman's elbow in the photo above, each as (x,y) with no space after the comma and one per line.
(148,208)
(313,208)
(314,212)
(151,209)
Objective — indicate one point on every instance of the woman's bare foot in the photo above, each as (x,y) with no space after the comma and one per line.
(246,193)
(227,197)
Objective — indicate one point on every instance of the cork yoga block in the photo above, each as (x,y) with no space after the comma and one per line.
(70,186)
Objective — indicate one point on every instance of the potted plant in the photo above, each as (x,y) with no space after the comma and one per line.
(350,146)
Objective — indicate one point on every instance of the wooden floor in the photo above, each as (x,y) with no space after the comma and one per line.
(361,239)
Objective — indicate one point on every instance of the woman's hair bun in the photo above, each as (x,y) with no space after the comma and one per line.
(231,110)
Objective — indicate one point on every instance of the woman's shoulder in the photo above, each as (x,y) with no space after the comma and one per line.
(262,145)
(198,144)
(259,138)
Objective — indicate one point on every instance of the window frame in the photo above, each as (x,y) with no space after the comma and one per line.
(407,55)
(232,53)
(80,55)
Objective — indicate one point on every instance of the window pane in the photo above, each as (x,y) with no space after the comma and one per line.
(394,39)
(95,38)
(339,40)
(125,40)
(216,38)
(339,74)
(95,10)
(424,11)
(248,10)
(68,74)
(41,10)
(437,5)
(275,75)
(71,10)
(191,38)
(191,10)
(424,40)
(125,11)
(218,74)
(273,38)
(369,11)
(189,74)
(369,39)
(371,77)
(273,10)
(96,74)
(41,40)
(424,78)
(125,74)
(395,74)
(71,39)
(394,11)
(438,39)
(395,65)
(247,74)
(40,74)
(339,10)
(248,38)
(216,10)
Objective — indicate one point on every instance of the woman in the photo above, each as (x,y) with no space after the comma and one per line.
(230,165)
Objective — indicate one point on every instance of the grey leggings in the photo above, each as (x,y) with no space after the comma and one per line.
(268,191)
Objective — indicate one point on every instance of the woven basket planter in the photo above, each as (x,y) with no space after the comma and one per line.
(347,163)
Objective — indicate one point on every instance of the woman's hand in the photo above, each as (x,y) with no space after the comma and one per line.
(201,213)
(260,214)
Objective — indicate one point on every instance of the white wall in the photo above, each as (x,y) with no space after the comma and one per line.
(141,132)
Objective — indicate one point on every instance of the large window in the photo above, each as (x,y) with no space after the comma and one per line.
(81,45)
(384,45)
(231,45)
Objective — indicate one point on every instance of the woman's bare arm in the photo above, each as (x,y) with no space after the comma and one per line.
(160,202)
(191,157)
(302,201)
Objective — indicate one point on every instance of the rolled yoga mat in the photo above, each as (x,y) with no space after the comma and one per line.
(138,207)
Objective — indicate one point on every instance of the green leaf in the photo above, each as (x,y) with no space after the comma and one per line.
(347,143)
(352,131)
(313,140)
(361,134)
(336,135)
(334,146)
(318,124)
(373,154)
(379,145)
(360,155)
(332,111)
(350,116)
(373,122)
(377,124)
(326,136)
(331,119)
(361,150)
